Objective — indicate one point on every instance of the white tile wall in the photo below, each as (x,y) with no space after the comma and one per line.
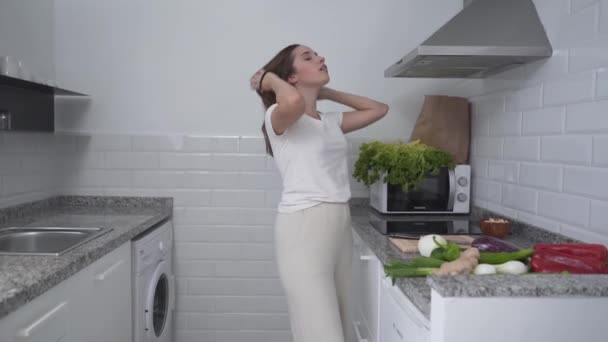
(554,171)
(225,192)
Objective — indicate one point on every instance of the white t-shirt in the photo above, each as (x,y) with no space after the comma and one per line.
(311,157)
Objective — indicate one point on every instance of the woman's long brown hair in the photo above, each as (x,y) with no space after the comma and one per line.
(282,66)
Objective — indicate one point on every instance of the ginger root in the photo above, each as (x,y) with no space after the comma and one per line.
(465,264)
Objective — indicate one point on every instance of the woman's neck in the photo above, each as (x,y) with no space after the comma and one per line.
(310,96)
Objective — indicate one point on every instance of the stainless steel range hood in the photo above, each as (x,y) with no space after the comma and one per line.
(485,38)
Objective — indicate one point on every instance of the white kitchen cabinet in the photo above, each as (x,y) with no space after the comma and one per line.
(92,305)
(400,320)
(101,299)
(366,289)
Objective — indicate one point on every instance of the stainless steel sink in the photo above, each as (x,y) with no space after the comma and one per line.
(45,240)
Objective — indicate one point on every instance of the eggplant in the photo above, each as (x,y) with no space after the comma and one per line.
(490,244)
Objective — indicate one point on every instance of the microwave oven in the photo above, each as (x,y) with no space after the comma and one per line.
(447,192)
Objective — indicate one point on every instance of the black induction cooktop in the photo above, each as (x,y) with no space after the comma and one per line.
(414,226)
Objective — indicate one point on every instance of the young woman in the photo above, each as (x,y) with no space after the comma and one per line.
(313,238)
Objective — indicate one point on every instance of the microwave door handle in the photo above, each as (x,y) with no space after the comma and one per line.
(452,182)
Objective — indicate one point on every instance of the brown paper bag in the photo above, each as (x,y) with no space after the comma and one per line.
(445,123)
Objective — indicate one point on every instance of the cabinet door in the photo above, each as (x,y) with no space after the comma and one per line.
(366,290)
(46,318)
(102,297)
(371,269)
(398,324)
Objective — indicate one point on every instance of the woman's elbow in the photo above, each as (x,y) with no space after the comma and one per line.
(382,110)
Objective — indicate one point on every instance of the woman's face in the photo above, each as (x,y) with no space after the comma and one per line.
(310,68)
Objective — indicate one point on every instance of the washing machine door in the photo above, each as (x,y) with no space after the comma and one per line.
(157,304)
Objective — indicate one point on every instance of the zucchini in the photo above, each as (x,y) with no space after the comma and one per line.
(497,258)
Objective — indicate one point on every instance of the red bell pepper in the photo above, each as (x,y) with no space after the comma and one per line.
(586,250)
(549,261)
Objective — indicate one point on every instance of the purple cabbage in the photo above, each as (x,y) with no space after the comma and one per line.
(491,244)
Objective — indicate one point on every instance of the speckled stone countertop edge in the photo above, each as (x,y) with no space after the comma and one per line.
(418,290)
(24,294)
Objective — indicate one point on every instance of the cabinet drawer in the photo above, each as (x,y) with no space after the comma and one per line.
(399,324)
(51,325)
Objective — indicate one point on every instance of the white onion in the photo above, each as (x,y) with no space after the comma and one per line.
(482,269)
(426,244)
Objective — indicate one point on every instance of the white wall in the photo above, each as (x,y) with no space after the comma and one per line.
(183,66)
(27,166)
(540,132)
(26,32)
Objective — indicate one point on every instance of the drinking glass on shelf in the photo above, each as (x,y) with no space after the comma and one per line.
(9,66)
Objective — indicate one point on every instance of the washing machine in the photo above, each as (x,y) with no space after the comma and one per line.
(153,285)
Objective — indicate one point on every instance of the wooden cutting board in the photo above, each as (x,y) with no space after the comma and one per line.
(411,246)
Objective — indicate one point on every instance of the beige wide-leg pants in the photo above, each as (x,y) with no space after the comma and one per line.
(313,252)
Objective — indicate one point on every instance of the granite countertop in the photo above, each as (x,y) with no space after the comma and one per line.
(24,277)
(418,290)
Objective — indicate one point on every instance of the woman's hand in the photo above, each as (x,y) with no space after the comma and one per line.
(265,78)
(254,81)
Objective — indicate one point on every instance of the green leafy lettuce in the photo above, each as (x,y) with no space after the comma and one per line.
(404,164)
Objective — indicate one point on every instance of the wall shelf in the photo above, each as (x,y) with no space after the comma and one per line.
(36,87)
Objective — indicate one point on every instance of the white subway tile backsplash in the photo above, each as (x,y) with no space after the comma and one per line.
(238,198)
(131,160)
(599,217)
(587,117)
(486,190)
(259,181)
(488,105)
(603,19)
(503,171)
(235,287)
(489,147)
(580,4)
(558,159)
(480,125)
(522,149)
(601,88)
(248,269)
(519,198)
(589,57)
(600,150)
(539,221)
(505,124)
(224,251)
(260,304)
(254,336)
(574,88)
(196,304)
(10,164)
(239,322)
(211,180)
(526,98)
(185,161)
(549,69)
(157,143)
(191,335)
(205,216)
(577,27)
(194,143)
(479,168)
(254,145)
(543,121)
(545,176)
(194,268)
(592,182)
(237,162)
(583,234)
(103,142)
(159,179)
(229,233)
(566,149)
(566,208)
